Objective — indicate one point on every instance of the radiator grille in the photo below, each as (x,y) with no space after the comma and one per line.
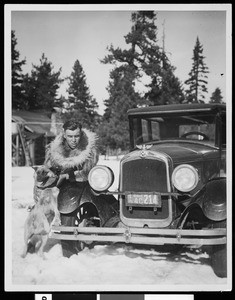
(144,175)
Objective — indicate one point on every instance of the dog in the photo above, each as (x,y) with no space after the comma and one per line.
(42,215)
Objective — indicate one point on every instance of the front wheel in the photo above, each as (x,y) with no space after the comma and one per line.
(84,216)
(218,254)
(219,260)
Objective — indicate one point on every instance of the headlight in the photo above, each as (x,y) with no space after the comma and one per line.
(100,178)
(185,178)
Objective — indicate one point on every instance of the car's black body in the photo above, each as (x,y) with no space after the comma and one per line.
(168,143)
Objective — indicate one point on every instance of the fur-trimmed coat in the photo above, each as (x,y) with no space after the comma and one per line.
(60,158)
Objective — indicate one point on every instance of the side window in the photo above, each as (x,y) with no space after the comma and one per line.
(150,130)
(137,131)
(146,134)
(155,131)
(145,130)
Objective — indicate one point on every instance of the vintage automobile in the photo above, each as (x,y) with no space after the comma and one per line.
(172,185)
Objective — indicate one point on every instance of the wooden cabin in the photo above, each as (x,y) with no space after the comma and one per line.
(31,132)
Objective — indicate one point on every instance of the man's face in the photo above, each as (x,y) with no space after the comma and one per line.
(72,137)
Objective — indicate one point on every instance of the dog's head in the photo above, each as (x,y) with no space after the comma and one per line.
(41,178)
(41,182)
(40,173)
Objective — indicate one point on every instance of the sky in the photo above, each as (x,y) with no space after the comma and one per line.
(68,33)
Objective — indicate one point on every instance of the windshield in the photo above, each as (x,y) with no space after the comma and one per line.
(193,127)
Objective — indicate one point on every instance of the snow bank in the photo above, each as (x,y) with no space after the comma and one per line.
(116,267)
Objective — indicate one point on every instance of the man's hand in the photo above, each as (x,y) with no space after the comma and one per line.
(61,179)
(79,176)
(64,176)
(51,174)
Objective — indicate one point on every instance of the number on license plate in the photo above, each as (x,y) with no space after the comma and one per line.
(152,200)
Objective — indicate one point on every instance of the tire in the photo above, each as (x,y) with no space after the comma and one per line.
(219,260)
(113,222)
(69,247)
(76,218)
(219,255)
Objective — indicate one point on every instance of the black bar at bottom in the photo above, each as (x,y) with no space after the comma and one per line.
(73,296)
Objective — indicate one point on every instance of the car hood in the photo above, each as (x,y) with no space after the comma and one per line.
(182,152)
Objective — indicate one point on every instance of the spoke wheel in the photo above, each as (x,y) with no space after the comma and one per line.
(87,216)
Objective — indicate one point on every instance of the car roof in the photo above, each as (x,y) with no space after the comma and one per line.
(176,108)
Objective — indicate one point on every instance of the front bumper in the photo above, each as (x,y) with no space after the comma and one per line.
(141,235)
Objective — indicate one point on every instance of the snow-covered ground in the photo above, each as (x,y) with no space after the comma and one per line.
(117,267)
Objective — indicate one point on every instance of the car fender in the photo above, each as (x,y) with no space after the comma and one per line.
(69,196)
(211,199)
(75,194)
(106,205)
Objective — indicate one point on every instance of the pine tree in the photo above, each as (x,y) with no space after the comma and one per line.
(143,59)
(142,48)
(114,129)
(216,96)
(148,60)
(83,102)
(197,76)
(41,86)
(165,88)
(17,76)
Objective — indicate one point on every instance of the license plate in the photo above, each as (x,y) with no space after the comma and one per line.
(146,199)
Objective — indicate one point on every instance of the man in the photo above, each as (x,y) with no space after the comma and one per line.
(73,152)
(71,155)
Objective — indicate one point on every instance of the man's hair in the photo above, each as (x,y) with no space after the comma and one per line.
(72,125)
